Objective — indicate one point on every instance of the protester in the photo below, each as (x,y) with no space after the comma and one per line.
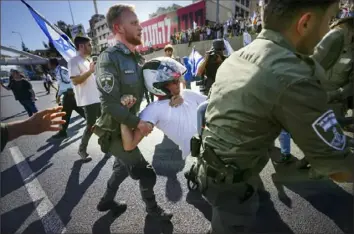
(23,92)
(81,71)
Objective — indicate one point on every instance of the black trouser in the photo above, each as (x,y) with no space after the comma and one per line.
(69,104)
(133,164)
(46,86)
(92,113)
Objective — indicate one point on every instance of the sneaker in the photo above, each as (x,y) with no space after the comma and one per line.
(115,207)
(60,135)
(84,156)
(285,158)
(158,212)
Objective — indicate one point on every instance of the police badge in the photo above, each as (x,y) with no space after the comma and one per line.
(328,129)
(106,81)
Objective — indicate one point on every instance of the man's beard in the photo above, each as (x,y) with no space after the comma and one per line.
(134,40)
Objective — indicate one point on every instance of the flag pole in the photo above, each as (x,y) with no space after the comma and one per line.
(48,23)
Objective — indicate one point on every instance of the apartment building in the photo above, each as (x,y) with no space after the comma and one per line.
(102,33)
(92,32)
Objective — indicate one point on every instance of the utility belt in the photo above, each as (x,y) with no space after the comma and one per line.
(209,167)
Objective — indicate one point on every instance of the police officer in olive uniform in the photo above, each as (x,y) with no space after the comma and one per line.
(213,60)
(339,80)
(269,85)
(119,73)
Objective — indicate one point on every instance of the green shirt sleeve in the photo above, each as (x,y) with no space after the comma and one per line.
(108,83)
(4,136)
(302,110)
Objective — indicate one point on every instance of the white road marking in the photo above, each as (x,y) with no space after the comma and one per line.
(46,211)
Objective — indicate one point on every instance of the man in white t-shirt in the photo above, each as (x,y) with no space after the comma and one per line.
(81,70)
(162,77)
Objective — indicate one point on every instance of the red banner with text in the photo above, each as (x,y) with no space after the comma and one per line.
(157,31)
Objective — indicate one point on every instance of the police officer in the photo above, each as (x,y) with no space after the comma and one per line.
(213,59)
(339,80)
(260,89)
(65,95)
(338,83)
(118,72)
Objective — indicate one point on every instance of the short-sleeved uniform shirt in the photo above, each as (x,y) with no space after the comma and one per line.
(263,88)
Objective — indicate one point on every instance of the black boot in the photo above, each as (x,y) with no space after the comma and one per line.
(116,208)
(159,213)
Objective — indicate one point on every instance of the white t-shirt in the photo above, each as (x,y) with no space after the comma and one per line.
(86,93)
(178,123)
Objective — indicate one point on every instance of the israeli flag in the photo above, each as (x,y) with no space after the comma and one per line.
(195,59)
(228,48)
(59,39)
(247,39)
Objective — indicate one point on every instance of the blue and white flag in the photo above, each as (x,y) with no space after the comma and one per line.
(247,39)
(59,39)
(195,59)
(228,47)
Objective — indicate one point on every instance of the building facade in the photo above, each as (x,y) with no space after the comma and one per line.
(227,9)
(92,32)
(102,33)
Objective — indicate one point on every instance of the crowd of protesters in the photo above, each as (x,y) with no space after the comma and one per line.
(231,28)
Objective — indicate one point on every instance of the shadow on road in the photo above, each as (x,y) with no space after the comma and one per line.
(14,116)
(196,199)
(153,226)
(103,224)
(38,165)
(74,192)
(11,221)
(167,161)
(323,194)
(268,219)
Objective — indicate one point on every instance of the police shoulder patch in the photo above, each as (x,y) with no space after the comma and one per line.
(106,81)
(329,131)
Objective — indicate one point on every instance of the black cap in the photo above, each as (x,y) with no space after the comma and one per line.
(218,44)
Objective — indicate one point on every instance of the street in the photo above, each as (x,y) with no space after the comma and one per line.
(45,188)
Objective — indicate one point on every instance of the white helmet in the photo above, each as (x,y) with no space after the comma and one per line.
(159,71)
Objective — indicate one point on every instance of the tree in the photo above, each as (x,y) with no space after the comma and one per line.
(64,27)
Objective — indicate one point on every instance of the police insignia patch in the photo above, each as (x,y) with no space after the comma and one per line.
(328,129)
(106,81)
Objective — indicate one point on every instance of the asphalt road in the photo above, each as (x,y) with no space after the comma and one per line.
(45,188)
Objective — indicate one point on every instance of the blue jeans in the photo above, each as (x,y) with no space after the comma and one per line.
(284,140)
(29,106)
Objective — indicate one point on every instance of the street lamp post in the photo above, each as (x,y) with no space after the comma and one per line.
(18,34)
(22,44)
(72,17)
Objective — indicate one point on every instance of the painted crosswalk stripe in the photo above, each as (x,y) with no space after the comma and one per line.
(46,211)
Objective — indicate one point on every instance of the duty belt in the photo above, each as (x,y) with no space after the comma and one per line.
(220,171)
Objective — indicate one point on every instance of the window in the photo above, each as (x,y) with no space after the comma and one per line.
(243,2)
(242,13)
(237,9)
(247,3)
